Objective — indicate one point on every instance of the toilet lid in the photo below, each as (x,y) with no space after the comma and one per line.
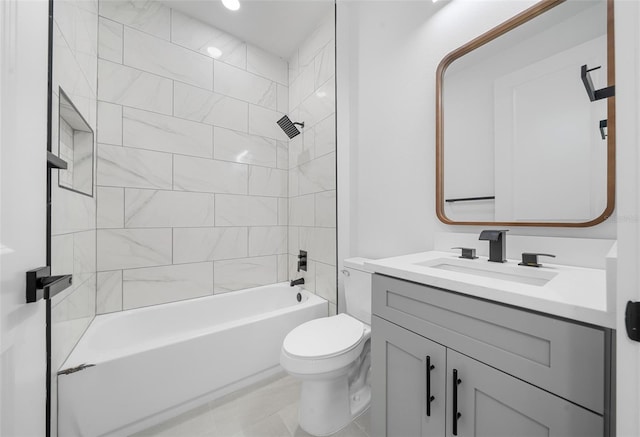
(324,337)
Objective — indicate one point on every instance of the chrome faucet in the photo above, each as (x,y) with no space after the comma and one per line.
(497,244)
(296,282)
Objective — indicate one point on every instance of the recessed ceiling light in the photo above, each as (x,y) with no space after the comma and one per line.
(214,52)
(232,5)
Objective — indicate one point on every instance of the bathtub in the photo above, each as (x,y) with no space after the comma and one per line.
(136,368)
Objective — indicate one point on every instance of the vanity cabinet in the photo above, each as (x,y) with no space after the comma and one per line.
(521,373)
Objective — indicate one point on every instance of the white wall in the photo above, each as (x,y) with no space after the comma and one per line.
(23,127)
(388,97)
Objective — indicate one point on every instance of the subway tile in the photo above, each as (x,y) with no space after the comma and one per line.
(283,154)
(293,238)
(263,122)
(160,57)
(109,292)
(319,105)
(71,212)
(110,207)
(62,254)
(302,210)
(84,255)
(110,40)
(302,87)
(198,36)
(282,99)
(283,211)
(230,145)
(267,240)
(157,209)
(325,136)
(208,175)
(321,36)
(131,87)
(318,175)
(68,75)
(267,65)
(325,64)
(79,26)
(306,240)
(242,85)
(205,106)
(234,210)
(264,181)
(131,248)
(109,123)
(324,245)
(126,167)
(294,176)
(148,16)
(302,147)
(244,273)
(155,285)
(209,244)
(326,281)
(148,130)
(326,209)
(283,268)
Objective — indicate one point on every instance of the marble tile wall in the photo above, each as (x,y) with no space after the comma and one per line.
(312,162)
(192,168)
(73,215)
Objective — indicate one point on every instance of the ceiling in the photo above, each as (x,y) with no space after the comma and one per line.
(278,27)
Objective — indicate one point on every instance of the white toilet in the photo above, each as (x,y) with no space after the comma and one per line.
(332,358)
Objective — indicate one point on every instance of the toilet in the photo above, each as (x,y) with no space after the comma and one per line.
(332,358)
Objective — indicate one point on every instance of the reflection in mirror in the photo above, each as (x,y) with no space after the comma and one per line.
(75,146)
(520,141)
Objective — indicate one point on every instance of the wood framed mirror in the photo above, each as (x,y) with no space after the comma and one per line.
(525,120)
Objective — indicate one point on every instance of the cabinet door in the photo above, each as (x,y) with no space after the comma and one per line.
(491,403)
(408,383)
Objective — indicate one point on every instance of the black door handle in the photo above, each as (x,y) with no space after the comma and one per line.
(456,414)
(41,285)
(430,398)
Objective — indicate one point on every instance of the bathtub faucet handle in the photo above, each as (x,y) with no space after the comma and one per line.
(299,281)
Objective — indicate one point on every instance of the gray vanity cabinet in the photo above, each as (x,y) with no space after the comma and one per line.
(492,403)
(522,373)
(400,384)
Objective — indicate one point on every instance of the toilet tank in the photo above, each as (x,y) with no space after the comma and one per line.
(357,289)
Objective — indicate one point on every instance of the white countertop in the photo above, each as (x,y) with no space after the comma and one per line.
(575,293)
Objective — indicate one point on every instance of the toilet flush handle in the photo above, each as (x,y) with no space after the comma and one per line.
(346,272)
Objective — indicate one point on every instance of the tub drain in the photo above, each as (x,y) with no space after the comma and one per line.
(299,297)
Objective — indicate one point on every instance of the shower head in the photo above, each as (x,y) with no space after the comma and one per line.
(289,127)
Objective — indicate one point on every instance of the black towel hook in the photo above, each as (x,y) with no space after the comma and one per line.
(588,84)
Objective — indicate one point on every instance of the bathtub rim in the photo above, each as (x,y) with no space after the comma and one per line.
(81,355)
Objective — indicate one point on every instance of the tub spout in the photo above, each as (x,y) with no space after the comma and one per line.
(296,282)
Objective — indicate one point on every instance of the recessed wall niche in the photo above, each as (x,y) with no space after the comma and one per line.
(75,146)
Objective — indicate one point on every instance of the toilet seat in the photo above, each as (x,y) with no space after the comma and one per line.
(324,338)
(324,346)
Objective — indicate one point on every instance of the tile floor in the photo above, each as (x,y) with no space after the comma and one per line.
(268,409)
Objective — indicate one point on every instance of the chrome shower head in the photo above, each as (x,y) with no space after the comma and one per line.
(289,127)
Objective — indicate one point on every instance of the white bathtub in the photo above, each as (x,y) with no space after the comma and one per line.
(152,363)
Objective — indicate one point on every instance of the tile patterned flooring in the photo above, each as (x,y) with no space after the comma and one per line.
(267,409)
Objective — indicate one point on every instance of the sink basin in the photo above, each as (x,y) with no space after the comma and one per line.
(504,272)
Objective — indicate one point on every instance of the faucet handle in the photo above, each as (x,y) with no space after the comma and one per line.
(467,252)
(492,234)
(531,259)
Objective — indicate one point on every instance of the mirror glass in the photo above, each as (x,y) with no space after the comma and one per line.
(520,142)
(75,147)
